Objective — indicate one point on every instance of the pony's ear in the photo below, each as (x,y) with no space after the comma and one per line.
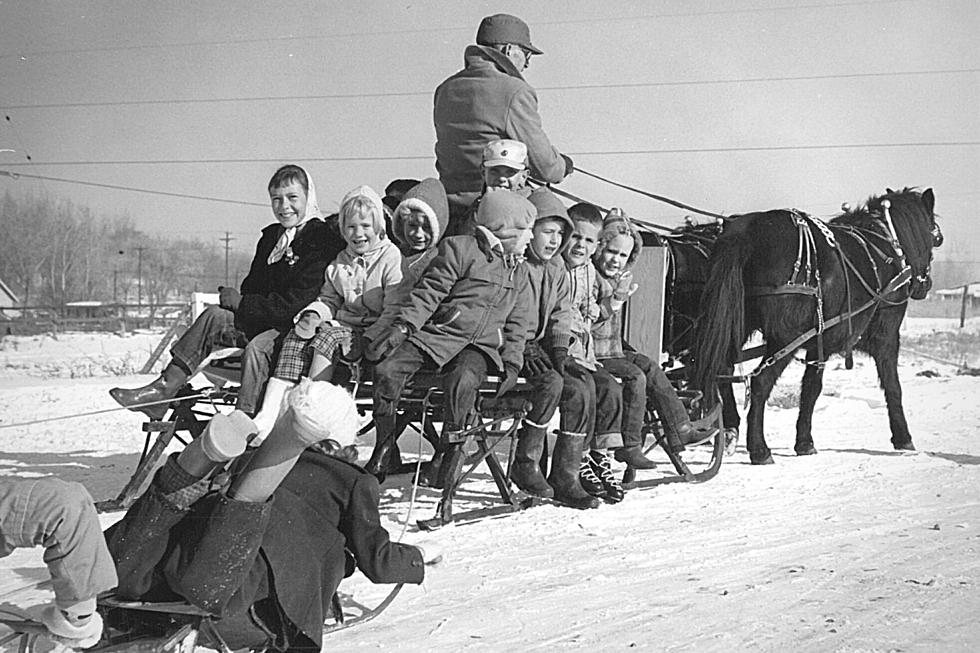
(889,190)
(929,199)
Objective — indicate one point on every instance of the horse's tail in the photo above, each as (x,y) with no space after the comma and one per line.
(721,328)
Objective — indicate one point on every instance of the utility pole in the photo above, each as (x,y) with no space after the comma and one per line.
(139,275)
(227,241)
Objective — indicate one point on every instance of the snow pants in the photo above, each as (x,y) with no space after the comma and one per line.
(171,546)
(61,517)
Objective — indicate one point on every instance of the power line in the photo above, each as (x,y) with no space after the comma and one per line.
(400,31)
(16,175)
(338,159)
(540,89)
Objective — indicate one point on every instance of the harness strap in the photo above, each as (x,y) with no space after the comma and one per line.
(900,280)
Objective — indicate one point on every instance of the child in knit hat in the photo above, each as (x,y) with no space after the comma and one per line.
(351,299)
(418,223)
(546,366)
(467,314)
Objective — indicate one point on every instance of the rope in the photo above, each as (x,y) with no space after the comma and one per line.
(659,198)
(652,226)
(202,395)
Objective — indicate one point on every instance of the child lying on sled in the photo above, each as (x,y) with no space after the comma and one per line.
(60,516)
(267,554)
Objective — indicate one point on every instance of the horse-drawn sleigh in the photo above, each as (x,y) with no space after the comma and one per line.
(847,286)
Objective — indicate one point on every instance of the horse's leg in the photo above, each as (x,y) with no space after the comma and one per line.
(762,384)
(730,418)
(886,360)
(809,391)
(729,410)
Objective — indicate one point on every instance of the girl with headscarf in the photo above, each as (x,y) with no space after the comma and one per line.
(351,299)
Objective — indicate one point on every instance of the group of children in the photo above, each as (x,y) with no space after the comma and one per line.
(521,287)
(526,289)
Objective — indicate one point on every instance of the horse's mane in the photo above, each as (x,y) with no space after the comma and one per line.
(909,214)
(904,203)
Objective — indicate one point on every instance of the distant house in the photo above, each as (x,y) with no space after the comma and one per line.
(8,301)
(956,294)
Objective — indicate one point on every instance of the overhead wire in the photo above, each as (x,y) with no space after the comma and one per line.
(421,157)
(427,30)
(15,175)
(539,89)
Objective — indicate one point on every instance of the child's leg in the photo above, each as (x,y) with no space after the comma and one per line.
(61,517)
(211,568)
(609,411)
(256,364)
(634,383)
(462,378)
(327,345)
(577,407)
(609,417)
(546,391)
(390,377)
(140,540)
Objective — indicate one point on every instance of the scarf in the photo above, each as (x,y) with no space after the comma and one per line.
(288,234)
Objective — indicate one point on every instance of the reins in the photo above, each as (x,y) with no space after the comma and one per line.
(659,198)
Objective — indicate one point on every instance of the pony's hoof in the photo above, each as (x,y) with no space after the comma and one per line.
(731,441)
(907,446)
(806,451)
(763,461)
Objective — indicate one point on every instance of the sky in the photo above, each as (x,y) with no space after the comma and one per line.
(727,105)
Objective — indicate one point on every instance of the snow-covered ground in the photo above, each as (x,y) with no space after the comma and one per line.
(858,548)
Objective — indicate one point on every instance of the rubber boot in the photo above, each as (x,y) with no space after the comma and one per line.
(384,430)
(565,462)
(699,432)
(446,461)
(162,388)
(526,471)
(633,456)
(429,473)
(275,391)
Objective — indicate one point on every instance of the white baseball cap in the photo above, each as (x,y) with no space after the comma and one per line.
(512,154)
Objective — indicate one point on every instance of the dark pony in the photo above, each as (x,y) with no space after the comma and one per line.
(688,251)
(822,287)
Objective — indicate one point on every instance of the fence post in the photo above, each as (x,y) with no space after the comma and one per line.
(966,294)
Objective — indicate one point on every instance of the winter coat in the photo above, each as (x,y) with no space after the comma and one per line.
(585,311)
(324,523)
(356,286)
(273,294)
(429,198)
(470,295)
(607,332)
(485,101)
